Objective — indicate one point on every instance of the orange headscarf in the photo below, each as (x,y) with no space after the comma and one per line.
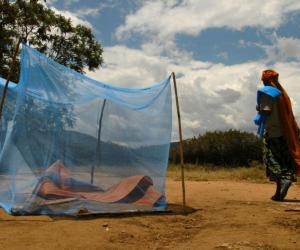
(288,122)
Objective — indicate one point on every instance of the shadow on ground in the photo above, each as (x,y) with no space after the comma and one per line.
(172,209)
(291,201)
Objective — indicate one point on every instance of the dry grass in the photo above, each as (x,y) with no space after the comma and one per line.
(212,173)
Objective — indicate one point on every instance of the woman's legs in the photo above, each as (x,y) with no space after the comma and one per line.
(280,166)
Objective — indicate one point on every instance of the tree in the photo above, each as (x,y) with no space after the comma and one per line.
(51,33)
(222,148)
(55,36)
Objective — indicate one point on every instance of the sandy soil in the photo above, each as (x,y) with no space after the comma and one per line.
(222,215)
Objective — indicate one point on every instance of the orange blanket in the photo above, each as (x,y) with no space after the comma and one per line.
(289,125)
(57,183)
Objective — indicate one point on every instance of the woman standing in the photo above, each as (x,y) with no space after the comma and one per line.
(278,127)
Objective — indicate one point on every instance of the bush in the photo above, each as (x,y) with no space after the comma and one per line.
(222,148)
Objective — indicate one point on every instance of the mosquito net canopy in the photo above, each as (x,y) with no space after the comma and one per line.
(71,144)
(8,109)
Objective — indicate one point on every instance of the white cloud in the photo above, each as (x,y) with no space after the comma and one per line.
(212,96)
(79,16)
(97,9)
(88,12)
(79,11)
(67,3)
(75,18)
(165,18)
(283,49)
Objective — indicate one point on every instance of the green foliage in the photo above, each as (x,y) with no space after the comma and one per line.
(256,173)
(52,34)
(223,148)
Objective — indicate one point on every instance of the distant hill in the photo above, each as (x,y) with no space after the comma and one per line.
(77,149)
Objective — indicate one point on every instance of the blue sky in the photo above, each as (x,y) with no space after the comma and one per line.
(217,47)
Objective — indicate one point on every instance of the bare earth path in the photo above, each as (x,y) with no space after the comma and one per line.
(228,215)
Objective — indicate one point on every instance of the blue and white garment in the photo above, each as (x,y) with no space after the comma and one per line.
(259,119)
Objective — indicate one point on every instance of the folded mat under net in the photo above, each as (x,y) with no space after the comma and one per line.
(56,187)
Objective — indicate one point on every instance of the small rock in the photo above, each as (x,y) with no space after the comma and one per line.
(224,246)
(245,243)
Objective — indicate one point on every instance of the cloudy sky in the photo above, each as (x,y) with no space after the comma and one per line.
(217,48)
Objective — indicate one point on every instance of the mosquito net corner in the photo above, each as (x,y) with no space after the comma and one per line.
(70,143)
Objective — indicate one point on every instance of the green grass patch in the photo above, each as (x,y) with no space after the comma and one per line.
(213,173)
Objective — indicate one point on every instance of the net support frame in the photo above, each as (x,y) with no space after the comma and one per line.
(180,145)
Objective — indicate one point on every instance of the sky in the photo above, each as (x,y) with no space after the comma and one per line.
(217,48)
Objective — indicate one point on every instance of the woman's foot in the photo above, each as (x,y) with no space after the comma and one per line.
(285,185)
(276,196)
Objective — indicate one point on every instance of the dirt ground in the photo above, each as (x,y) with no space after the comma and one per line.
(221,215)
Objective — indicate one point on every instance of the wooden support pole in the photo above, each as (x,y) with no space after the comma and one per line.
(9,76)
(181,144)
(98,141)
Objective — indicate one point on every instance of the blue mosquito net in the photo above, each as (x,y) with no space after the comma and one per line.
(8,109)
(71,144)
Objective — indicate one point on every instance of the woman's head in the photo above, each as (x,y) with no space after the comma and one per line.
(269,76)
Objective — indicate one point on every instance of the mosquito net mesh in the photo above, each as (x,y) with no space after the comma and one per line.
(71,144)
(8,109)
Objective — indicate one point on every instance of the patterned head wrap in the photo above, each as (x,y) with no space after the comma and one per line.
(270,75)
